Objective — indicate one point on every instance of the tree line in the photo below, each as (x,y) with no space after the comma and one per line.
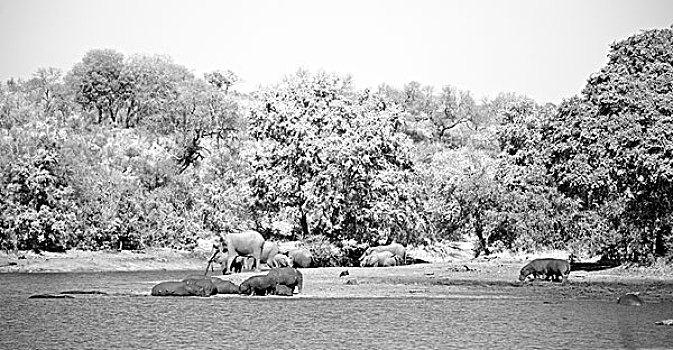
(134,152)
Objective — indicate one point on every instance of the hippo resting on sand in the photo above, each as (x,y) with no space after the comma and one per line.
(200,288)
(221,286)
(551,268)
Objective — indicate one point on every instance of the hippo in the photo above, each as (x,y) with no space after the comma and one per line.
(221,286)
(257,285)
(225,287)
(179,288)
(283,290)
(287,276)
(202,283)
(551,268)
(50,296)
(630,299)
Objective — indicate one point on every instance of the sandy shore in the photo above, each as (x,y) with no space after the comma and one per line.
(456,277)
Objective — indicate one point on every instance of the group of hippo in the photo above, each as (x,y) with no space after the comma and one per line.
(278,281)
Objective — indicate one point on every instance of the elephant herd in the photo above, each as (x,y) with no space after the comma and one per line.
(384,256)
(249,250)
(278,281)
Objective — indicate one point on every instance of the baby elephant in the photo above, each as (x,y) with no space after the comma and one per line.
(280,260)
(552,268)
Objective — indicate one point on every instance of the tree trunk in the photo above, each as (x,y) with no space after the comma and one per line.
(479,232)
(304,224)
(660,240)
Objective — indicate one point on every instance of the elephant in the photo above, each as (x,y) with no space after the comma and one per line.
(287,276)
(239,262)
(246,243)
(388,262)
(369,261)
(257,285)
(280,260)
(247,263)
(630,299)
(236,264)
(395,248)
(552,268)
(301,257)
(174,288)
(378,259)
(269,251)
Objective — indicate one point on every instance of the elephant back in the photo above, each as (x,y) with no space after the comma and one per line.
(301,257)
(269,251)
(245,242)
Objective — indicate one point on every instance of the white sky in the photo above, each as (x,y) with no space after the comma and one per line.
(543,49)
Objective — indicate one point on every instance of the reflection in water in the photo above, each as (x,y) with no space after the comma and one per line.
(129,319)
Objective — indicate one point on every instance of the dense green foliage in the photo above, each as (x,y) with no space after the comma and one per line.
(612,149)
(131,152)
(334,157)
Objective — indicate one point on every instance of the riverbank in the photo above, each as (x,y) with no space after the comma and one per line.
(102,261)
(456,276)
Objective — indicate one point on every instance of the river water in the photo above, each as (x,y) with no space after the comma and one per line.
(128,318)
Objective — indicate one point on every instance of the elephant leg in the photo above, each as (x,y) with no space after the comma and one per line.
(255,264)
(230,261)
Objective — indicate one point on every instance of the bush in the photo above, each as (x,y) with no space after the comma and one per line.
(38,208)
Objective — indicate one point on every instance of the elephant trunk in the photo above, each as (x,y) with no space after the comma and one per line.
(210,261)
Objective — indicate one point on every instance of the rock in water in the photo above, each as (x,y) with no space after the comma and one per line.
(630,299)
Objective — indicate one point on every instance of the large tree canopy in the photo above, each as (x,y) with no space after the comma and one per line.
(335,155)
(612,148)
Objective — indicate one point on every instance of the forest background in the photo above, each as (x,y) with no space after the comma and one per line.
(136,152)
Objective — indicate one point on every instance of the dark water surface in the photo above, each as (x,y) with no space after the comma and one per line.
(128,318)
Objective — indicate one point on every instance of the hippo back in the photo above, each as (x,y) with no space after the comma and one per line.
(172,288)
(260,285)
(630,299)
(225,287)
(287,276)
